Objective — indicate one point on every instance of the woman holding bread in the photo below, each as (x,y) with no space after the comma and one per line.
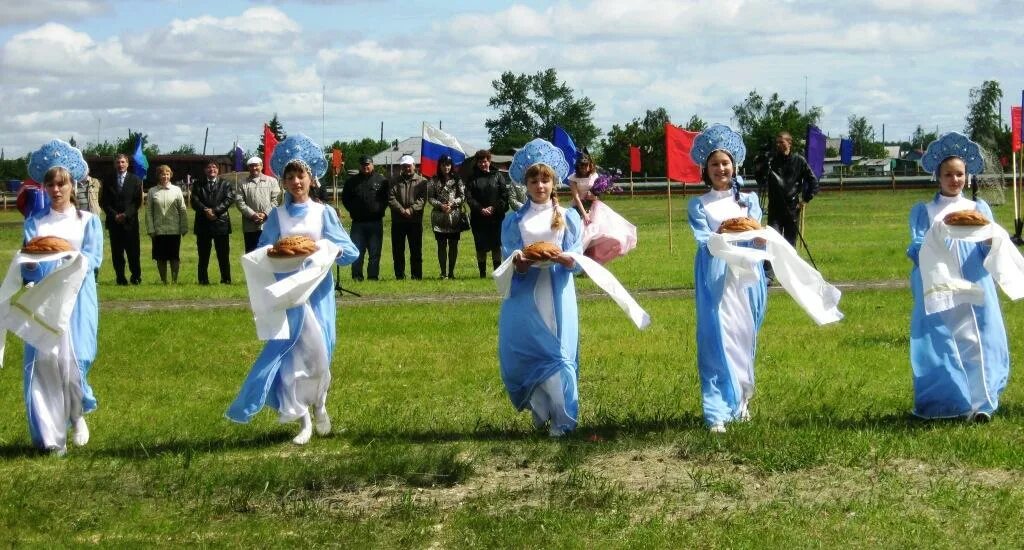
(958,347)
(730,309)
(292,374)
(538,327)
(56,387)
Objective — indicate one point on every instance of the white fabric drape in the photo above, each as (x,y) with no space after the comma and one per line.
(943,286)
(802,282)
(41,314)
(270,298)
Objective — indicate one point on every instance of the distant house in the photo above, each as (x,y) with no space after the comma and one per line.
(387,160)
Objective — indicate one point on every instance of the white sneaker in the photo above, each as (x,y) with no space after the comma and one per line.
(717,428)
(306,432)
(57,451)
(323,422)
(80,432)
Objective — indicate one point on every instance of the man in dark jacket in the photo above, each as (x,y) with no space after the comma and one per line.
(365,196)
(487,196)
(121,199)
(211,199)
(406,197)
(791,183)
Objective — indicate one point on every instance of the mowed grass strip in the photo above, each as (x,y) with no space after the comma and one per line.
(428,451)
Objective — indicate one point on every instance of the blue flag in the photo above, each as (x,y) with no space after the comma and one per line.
(816,150)
(846,151)
(563,141)
(141,164)
(238,158)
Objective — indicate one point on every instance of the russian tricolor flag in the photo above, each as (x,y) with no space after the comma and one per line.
(435,144)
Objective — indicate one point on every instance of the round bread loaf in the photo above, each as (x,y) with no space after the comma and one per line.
(965,217)
(46,245)
(541,250)
(738,225)
(292,246)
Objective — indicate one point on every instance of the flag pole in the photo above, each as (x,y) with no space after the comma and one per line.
(631,183)
(669,194)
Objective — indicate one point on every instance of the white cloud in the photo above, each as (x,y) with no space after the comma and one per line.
(55,51)
(928,7)
(36,11)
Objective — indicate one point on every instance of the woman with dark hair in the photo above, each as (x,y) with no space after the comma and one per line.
(487,196)
(166,222)
(958,348)
(292,374)
(57,362)
(446,194)
(606,234)
(729,309)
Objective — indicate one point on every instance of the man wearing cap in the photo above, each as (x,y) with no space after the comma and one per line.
(365,196)
(255,198)
(406,199)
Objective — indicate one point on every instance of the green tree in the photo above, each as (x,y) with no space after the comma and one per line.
(531,106)
(184,149)
(761,119)
(123,145)
(352,150)
(863,136)
(276,128)
(983,123)
(919,140)
(647,133)
(696,124)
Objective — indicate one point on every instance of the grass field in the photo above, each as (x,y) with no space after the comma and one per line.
(429,453)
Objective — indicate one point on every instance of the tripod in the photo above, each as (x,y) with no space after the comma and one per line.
(337,283)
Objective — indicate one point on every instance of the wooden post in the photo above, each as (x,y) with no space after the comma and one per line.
(1016,197)
(669,192)
(892,177)
(631,184)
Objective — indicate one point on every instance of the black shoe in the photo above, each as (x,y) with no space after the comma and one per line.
(451,275)
(226,282)
(373,278)
(417,277)
(122,283)
(399,277)
(357,279)
(136,282)
(204,283)
(981,417)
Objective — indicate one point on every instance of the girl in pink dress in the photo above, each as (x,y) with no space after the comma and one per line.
(606,234)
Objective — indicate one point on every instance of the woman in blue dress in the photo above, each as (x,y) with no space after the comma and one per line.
(56,386)
(959,356)
(729,309)
(292,374)
(538,327)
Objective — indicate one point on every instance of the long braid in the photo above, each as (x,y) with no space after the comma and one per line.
(556,214)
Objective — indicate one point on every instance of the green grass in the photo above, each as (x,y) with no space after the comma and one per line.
(429,452)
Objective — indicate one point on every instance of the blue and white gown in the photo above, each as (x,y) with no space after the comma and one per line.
(291,375)
(730,311)
(56,388)
(959,357)
(538,327)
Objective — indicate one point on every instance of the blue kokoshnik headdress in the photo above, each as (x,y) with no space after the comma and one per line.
(718,137)
(953,144)
(57,153)
(299,148)
(538,151)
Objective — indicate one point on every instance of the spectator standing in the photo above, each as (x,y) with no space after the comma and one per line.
(406,198)
(446,194)
(365,197)
(255,198)
(791,183)
(120,200)
(211,198)
(166,222)
(487,195)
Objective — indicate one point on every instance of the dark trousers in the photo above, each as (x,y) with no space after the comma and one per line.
(447,252)
(124,242)
(252,238)
(786,223)
(221,242)
(401,232)
(368,238)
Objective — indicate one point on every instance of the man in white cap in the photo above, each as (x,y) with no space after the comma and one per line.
(406,198)
(255,198)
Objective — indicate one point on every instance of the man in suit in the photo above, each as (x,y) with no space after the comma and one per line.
(211,199)
(120,200)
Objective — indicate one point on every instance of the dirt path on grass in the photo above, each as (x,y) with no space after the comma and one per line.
(459,298)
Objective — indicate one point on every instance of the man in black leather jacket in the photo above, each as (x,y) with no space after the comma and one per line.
(791,183)
(365,196)
(212,197)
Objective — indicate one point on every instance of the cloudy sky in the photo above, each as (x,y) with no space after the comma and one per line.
(92,69)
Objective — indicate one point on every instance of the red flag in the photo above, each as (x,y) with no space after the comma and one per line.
(678,164)
(634,158)
(336,160)
(1015,124)
(269,144)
